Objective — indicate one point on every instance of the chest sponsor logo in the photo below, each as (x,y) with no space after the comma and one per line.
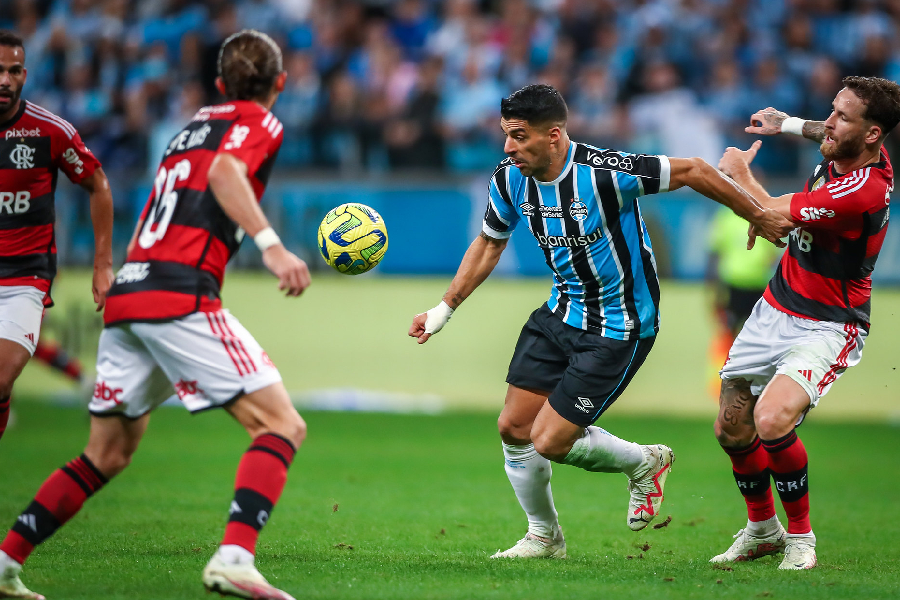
(15,203)
(570,241)
(810,213)
(22,156)
(22,133)
(578,210)
(133,272)
(551,212)
(527,209)
(613,161)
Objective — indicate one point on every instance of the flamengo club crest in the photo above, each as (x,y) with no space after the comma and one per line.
(23,156)
(578,210)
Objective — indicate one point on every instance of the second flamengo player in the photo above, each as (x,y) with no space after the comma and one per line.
(165,326)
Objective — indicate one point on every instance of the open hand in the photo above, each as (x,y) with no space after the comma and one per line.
(766,122)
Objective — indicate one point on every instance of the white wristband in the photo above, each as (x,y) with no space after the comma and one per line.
(437,317)
(266,238)
(793,125)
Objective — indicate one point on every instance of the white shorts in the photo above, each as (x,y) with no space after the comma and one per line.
(209,358)
(812,353)
(21,309)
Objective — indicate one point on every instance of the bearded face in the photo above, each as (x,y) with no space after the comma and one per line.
(849,145)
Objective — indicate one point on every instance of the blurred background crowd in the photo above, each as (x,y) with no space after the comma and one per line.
(384,85)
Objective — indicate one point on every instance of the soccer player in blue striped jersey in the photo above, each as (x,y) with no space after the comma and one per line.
(578,351)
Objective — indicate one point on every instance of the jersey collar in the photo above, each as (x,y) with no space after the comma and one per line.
(12,120)
(565,170)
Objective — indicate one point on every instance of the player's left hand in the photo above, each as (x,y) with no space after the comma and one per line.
(736,159)
(102,281)
(772,225)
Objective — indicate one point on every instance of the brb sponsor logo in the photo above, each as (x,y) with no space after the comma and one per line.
(133,272)
(22,156)
(104,393)
(15,203)
(814,214)
(803,238)
(23,133)
(568,241)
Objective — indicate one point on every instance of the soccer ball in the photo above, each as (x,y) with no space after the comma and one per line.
(353,238)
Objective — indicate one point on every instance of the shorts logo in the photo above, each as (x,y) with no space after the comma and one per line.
(527,209)
(267,361)
(29,337)
(806,373)
(578,210)
(584,404)
(23,156)
(106,394)
(186,388)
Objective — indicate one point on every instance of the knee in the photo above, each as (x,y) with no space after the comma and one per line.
(550,447)
(110,461)
(732,436)
(513,431)
(772,423)
(296,430)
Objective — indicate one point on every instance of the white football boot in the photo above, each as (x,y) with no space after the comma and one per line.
(799,552)
(647,488)
(240,580)
(532,546)
(10,584)
(749,547)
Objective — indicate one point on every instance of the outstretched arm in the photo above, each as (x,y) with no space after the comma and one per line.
(97,185)
(700,176)
(479,261)
(772,122)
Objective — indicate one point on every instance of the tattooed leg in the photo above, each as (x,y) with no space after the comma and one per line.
(734,425)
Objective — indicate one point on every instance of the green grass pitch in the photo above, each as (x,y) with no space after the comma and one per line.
(423,500)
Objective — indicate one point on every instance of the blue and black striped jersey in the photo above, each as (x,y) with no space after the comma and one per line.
(589,225)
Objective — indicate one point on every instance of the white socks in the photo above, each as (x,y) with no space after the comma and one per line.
(599,450)
(529,473)
(762,528)
(233,554)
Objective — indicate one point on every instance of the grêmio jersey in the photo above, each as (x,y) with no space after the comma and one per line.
(35,145)
(185,240)
(589,225)
(826,272)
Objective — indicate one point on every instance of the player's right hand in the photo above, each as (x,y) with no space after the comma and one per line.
(292,273)
(766,122)
(771,225)
(417,329)
(428,323)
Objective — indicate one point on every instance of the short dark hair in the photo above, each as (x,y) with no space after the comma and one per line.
(537,103)
(11,40)
(881,97)
(249,62)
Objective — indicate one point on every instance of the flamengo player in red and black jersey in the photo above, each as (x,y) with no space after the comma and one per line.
(34,145)
(166,328)
(812,322)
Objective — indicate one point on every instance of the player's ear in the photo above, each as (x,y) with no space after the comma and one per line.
(873,134)
(280,80)
(220,85)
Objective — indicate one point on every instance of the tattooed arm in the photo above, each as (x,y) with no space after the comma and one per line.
(768,122)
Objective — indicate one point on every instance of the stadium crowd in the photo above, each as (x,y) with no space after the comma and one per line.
(393,84)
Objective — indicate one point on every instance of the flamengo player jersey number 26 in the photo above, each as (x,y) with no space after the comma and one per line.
(35,145)
(186,239)
(826,272)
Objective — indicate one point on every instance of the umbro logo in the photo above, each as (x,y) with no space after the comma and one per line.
(527,209)
(806,373)
(584,404)
(29,521)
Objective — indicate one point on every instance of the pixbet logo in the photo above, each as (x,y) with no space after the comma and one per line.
(105,393)
(21,133)
(814,214)
(15,203)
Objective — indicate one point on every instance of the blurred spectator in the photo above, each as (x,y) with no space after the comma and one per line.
(414,138)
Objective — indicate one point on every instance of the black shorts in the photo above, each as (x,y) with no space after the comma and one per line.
(583,371)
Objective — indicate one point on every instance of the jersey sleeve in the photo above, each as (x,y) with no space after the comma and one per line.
(840,205)
(72,157)
(500,217)
(253,139)
(639,174)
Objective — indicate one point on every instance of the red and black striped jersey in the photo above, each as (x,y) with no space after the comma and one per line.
(825,274)
(178,261)
(35,145)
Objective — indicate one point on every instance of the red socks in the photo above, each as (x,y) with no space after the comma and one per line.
(261,476)
(4,414)
(54,356)
(751,472)
(61,496)
(788,464)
